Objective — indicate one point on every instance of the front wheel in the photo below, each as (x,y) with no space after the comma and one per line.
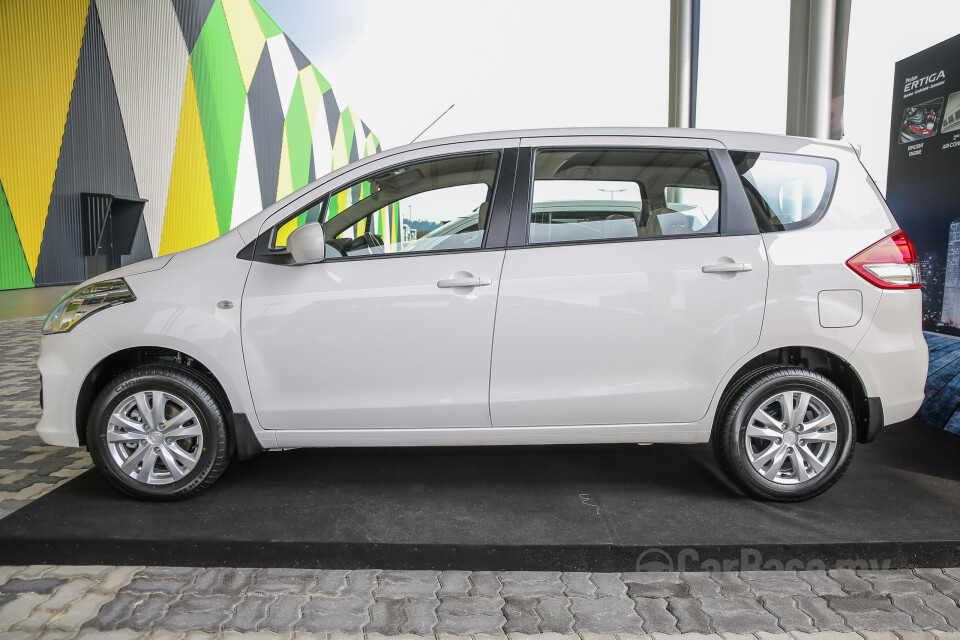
(786,435)
(157,432)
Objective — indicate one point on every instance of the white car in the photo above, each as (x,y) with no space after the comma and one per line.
(634,285)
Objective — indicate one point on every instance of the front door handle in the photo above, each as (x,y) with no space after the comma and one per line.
(727,267)
(453,283)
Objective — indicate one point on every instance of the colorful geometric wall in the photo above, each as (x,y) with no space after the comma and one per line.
(203,108)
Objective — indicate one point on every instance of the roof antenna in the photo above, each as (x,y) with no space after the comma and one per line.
(433,123)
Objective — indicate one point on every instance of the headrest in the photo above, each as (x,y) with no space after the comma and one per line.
(372,240)
(482,216)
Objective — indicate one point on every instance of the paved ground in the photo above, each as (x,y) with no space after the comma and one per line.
(462,603)
(169,602)
(28,468)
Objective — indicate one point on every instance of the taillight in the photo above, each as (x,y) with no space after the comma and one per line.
(889,264)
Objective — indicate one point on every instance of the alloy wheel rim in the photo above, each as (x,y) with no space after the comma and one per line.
(154,437)
(791,437)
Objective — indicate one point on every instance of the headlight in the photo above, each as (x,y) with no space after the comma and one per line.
(78,304)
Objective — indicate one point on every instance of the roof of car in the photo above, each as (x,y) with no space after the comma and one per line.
(740,140)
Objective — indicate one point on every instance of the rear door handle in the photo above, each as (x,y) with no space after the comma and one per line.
(453,283)
(727,267)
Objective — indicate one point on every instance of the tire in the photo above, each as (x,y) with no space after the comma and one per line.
(143,456)
(749,445)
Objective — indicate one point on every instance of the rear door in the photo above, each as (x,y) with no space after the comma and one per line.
(634,278)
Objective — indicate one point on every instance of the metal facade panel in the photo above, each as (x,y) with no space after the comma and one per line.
(266,121)
(191,217)
(246,197)
(221,95)
(301,60)
(39,45)
(94,209)
(312,96)
(141,245)
(322,157)
(191,15)
(248,40)
(284,69)
(332,110)
(14,270)
(315,100)
(298,139)
(267,25)
(102,107)
(284,176)
(93,158)
(149,63)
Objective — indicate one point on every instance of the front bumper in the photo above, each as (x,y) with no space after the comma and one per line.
(65,360)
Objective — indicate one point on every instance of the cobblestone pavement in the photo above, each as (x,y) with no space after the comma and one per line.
(134,601)
(28,468)
(168,602)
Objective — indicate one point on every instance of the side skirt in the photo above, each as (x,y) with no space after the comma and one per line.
(681,433)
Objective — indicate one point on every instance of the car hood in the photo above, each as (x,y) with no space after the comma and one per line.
(136,268)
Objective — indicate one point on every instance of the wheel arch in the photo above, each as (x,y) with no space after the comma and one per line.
(109,367)
(828,364)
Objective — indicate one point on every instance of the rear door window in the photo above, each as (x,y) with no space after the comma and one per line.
(584,195)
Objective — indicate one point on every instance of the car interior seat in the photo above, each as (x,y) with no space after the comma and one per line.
(341,244)
(482,216)
(368,243)
(768,221)
(619,225)
(648,226)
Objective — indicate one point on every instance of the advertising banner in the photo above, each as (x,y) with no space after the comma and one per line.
(923,191)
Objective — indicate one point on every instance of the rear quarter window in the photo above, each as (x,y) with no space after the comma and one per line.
(785,191)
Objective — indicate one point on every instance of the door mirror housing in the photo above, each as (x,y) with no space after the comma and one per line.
(307,244)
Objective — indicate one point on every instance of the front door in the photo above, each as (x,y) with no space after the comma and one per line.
(394,329)
(626,303)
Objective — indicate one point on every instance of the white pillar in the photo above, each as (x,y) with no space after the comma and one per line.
(820,67)
(818,46)
(797,67)
(681,62)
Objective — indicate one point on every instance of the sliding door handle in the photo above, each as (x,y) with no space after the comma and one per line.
(453,283)
(727,267)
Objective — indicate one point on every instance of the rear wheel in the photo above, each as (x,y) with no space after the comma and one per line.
(787,434)
(157,432)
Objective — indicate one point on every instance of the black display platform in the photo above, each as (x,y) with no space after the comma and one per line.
(588,508)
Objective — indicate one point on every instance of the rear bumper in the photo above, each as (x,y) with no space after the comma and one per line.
(892,358)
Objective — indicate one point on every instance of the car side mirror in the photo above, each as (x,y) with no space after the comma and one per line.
(307,244)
